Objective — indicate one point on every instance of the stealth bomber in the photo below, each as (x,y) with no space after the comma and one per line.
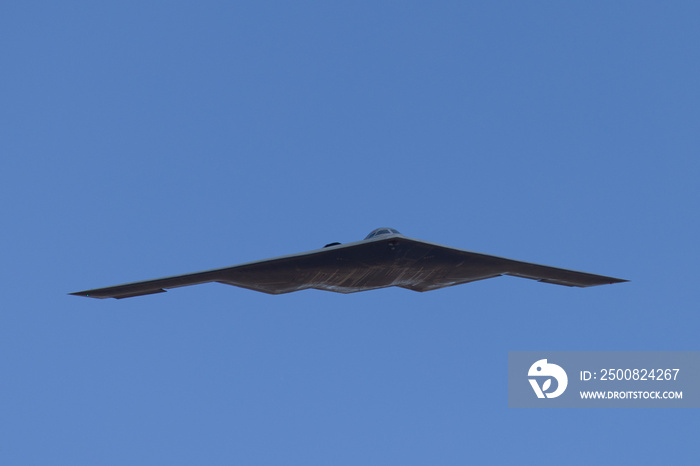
(384,258)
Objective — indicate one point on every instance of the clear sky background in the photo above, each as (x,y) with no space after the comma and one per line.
(143,139)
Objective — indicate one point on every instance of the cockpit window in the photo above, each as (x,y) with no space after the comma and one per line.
(382,231)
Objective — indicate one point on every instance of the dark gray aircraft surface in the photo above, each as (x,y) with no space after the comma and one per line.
(384,258)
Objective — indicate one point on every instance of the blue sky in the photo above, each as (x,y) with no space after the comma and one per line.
(147,139)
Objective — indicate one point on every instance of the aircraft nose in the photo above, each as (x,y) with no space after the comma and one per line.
(382,231)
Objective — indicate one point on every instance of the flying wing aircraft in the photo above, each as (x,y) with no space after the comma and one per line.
(384,258)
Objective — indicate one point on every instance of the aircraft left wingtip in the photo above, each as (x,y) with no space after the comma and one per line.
(84,294)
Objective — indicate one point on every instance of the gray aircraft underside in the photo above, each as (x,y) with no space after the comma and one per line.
(385,258)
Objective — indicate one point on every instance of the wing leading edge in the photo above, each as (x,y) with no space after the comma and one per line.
(391,260)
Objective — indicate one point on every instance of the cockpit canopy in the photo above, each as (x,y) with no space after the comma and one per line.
(382,231)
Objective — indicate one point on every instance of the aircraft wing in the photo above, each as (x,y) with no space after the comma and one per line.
(456,266)
(278,275)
